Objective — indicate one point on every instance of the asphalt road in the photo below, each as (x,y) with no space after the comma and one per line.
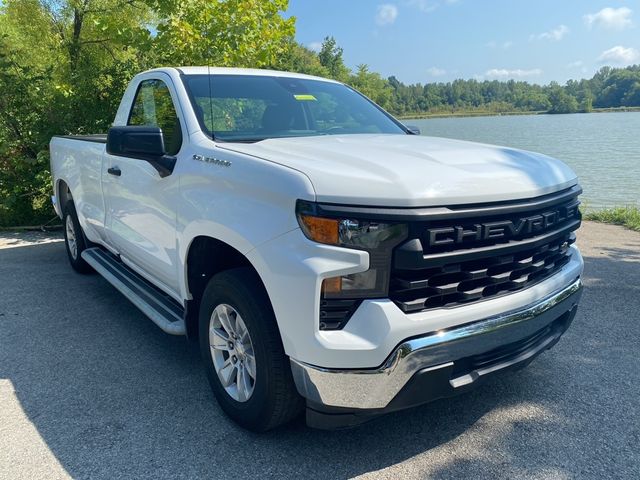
(89,388)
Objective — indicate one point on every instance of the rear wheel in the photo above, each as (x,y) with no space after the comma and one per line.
(247,368)
(74,239)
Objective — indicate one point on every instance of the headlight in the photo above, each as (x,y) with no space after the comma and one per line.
(375,237)
(363,235)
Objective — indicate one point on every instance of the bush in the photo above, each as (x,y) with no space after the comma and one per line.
(25,189)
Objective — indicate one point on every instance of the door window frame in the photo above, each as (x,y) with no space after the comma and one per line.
(176,107)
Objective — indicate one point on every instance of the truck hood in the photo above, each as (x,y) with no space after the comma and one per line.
(411,170)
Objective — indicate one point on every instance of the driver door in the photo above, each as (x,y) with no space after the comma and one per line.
(140,204)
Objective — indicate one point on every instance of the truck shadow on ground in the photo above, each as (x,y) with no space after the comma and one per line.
(113,396)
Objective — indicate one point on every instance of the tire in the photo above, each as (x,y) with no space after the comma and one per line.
(270,398)
(74,239)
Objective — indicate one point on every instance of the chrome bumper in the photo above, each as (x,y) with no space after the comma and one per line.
(435,352)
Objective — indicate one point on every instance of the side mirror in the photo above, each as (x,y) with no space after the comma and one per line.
(413,130)
(136,142)
(141,142)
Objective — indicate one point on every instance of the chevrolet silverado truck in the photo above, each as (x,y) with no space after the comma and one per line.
(327,258)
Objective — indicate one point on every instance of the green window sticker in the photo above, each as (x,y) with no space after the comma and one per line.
(305,98)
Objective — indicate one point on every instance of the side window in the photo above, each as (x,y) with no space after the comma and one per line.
(153,106)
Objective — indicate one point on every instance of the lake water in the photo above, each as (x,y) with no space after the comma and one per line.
(602,148)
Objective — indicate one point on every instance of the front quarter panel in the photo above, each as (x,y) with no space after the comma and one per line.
(240,200)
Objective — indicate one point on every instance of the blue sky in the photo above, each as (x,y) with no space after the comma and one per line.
(441,40)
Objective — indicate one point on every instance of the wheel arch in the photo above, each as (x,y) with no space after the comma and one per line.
(63,195)
(205,257)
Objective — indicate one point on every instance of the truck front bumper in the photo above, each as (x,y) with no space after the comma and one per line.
(436,365)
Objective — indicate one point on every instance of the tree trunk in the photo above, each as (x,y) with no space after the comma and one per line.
(74,45)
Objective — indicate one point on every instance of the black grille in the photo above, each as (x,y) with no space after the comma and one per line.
(335,312)
(465,282)
(457,274)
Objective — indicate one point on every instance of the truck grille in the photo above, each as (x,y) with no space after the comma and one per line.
(465,282)
(487,252)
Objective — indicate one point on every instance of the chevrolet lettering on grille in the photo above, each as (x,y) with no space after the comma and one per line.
(503,229)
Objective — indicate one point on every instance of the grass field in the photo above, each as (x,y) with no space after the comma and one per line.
(626,216)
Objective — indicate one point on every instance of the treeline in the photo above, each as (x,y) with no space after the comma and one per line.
(608,88)
(64,65)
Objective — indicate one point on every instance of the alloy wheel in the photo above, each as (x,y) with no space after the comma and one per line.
(71,237)
(232,352)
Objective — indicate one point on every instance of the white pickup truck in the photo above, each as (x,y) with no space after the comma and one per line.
(325,256)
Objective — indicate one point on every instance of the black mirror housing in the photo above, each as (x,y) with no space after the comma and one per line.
(413,130)
(141,142)
(145,143)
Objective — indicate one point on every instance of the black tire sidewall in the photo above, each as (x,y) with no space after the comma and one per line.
(77,263)
(236,288)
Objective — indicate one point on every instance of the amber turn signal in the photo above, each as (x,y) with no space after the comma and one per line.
(323,230)
(332,285)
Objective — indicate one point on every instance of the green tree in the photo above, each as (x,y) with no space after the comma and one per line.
(298,58)
(330,57)
(239,33)
(561,101)
(64,65)
(632,97)
(372,85)
(617,86)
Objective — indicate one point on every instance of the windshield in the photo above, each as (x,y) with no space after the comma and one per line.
(239,108)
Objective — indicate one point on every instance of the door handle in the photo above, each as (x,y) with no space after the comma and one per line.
(114,171)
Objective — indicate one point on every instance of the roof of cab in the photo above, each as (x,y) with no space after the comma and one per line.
(244,71)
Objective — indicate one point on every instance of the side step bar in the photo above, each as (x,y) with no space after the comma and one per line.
(163,310)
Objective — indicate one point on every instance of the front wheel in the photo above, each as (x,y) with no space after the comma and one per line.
(242,352)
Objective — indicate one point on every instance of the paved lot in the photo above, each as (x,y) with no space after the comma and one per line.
(89,388)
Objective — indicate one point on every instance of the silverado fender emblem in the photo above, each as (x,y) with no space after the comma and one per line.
(213,161)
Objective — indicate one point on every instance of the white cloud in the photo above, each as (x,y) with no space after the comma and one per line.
(386,14)
(427,5)
(436,72)
(517,73)
(620,55)
(556,34)
(504,45)
(423,5)
(576,64)
(315,46)
(611,18)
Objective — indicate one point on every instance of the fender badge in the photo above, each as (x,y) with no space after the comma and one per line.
(211,160)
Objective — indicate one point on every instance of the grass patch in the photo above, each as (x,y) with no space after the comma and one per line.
(626,216)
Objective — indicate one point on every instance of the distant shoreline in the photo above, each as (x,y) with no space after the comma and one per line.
(467,113)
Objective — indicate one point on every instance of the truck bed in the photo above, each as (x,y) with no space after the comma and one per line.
(96,137)
(77,159)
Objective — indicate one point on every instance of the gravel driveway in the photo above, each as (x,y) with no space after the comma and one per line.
(89,388)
